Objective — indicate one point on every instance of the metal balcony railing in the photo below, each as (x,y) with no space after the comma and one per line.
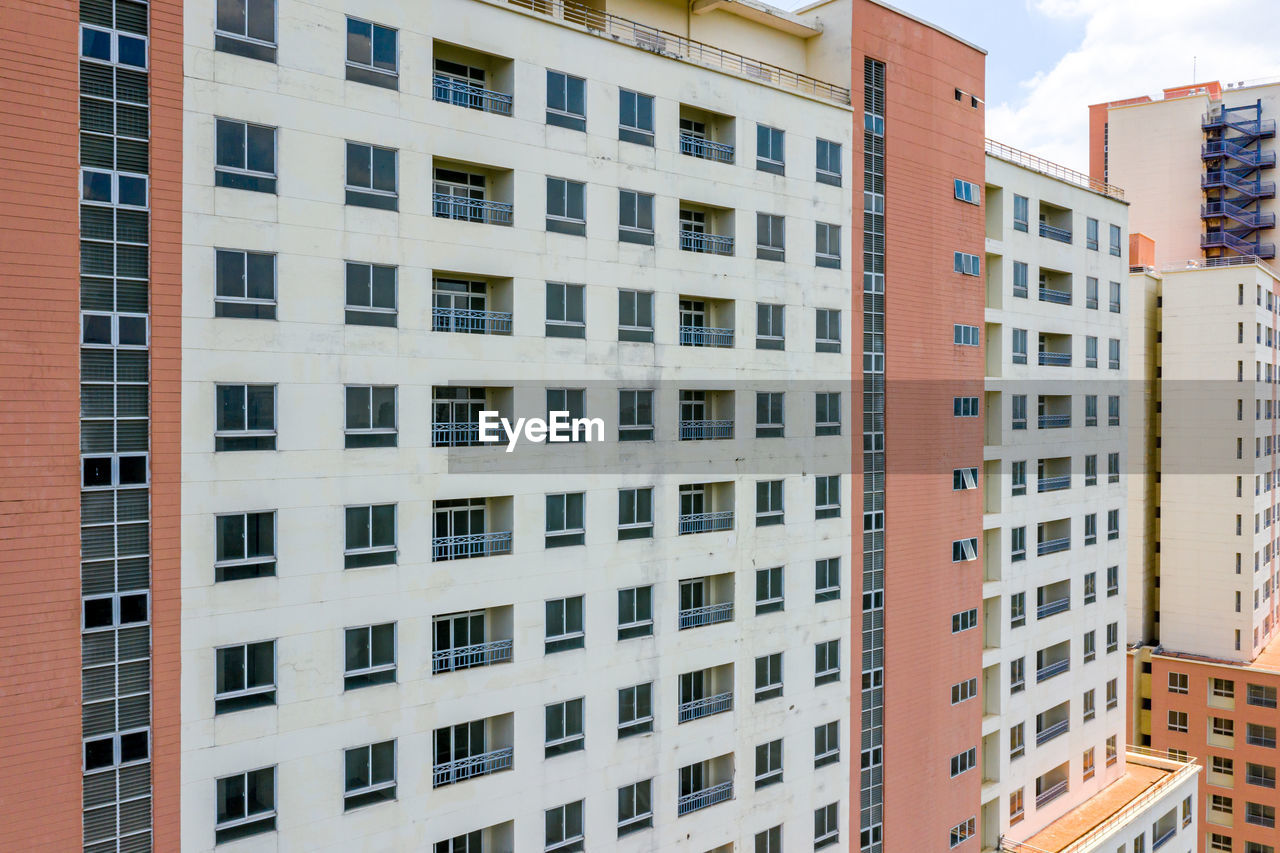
(1048,671)
(1055,359)
(696,617)
(705,336)
(1053,484)
(705,797)
(714,244)
(1046,167)
(451,91)
(455,434)
(1254,188)
(717,704)
(705,430)
(1230,148)
(472,766)
(1044,611)
(466,657)
(1062,235)
(1225,239)
(1051,794)
(1158,841)
(1053,546)
(696,146)
(1050,732)
(471,545)
(470,321)
(1249,127)
(1248,218)
(471,209)
(706,522)
(1059,297)
(1054,421)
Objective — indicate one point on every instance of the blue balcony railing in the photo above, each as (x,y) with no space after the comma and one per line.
(451,91)
(706,522)
(1048,671)
(466,657)
(1054,421)
(695,146)
(483,764)
(471,545)
(1044,611)
(706,797)
(712,614)
(1062,235)
(1053,484)
(1050,794)
(1059,297)
(705,430)
(1050,732)
(1055,359)
(713,244)
(470,321)
(698,708)
(705,336)
(1053,546)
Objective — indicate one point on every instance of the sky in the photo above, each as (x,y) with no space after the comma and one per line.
(1047,60)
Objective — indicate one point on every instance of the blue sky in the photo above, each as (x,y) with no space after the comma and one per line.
(1047,60)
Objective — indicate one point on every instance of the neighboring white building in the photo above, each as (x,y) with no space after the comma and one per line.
(463,222)
(1054,677)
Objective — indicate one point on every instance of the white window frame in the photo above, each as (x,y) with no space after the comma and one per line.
(373,787)
(244,650)
(371,548)
(116,176)
(374,27)
(967,191)
(372,669)
(115,36)
(245,37)
(245,170)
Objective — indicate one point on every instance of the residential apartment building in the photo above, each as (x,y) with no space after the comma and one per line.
(1056,772)
(1197,166)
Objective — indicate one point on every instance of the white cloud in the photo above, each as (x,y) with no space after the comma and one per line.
(1131,48)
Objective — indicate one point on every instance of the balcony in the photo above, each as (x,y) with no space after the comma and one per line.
(1054,474)
(706,322)
(472,193)
(1053,607)
(450,90)
(1054,660)
(1053,546)
(1050,794)
(1055,350)
(1051,732)
(458,770)
(696,617)
(470,321)
(456,414)
(706,229)
(1053,536)
(472,79)
(706,522)
(706,797)
(705,707)
(449,206)
(1055,222)
(1053,723)
(467,657)
(461,528)
(470,304)
(1053,484)
(1062,235)
(1054,411)
(696,146)
(470,545)
(705,336)
(705,430)
(706,415)
(706,135)
(705,692)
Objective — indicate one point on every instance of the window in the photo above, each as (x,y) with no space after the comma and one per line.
(565,312)
(1017,739)
(565,519)
(1219,803)
(246,417)
(768,676)
(245,156)
(828,334)
(1257,735)
(1113,467)
(246,804)
(826,744)
(1086,764)
(564,624)
(635,807)
(635,710)
(1261,695)
(769,596)
(247,28)
(1018,478)
(1020,279)
(635,117)
(1090,409)
(826,826)
(1113,581)
(1113,354)
(1115,298)
(964,761)
(1016,809)
(1020,206)
(1090,351)
(829,162)
(635,612)
(826,662)
(963,479)
(968,191)
(1219,842)
(1111,750)
(1090,587)
(245,284)
(371,536)
(246,677)
(827,241)
(827,580)
(962,832)
(770,413)
(1113,524)
(1019,344)
(1090,646)
(827,496)
(771,232)
(635,316)
(371,54)
(769,841)
(370,656)
(566,206)
(964,550)
(635,513)
(571,400)
(564,828)
(965,336)
(1017,676)
(1178,682)
(371,294)
(769,149)
(371,775)
(771,326)
(1091,234)
(1260,774)
(1113,637)
(964,691)
(965,407)
(371,416)
(635,217)
(1177,721)
(964,620)
(566,101)
(768,763)
(827,413)
(1087,701)
(1222,727)
(246,546)
(1017,544)
(563,728)
(1090,292)
(1115,240)
(1260,815)
(1017,610)
(967,264)
(769,509)
(1091,529)
(371,176)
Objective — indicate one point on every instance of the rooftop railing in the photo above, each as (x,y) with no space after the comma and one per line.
(617,28)
(1053,170)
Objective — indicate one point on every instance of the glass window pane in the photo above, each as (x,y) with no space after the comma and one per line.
(230,144)
(357,527)
(262,20)
(262,149)
(384,287)
(383,650)
(384,169)
(384,525)
(359,42)
(358,414)
(384,48)
(231,16)
(357,656)
(359,165)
